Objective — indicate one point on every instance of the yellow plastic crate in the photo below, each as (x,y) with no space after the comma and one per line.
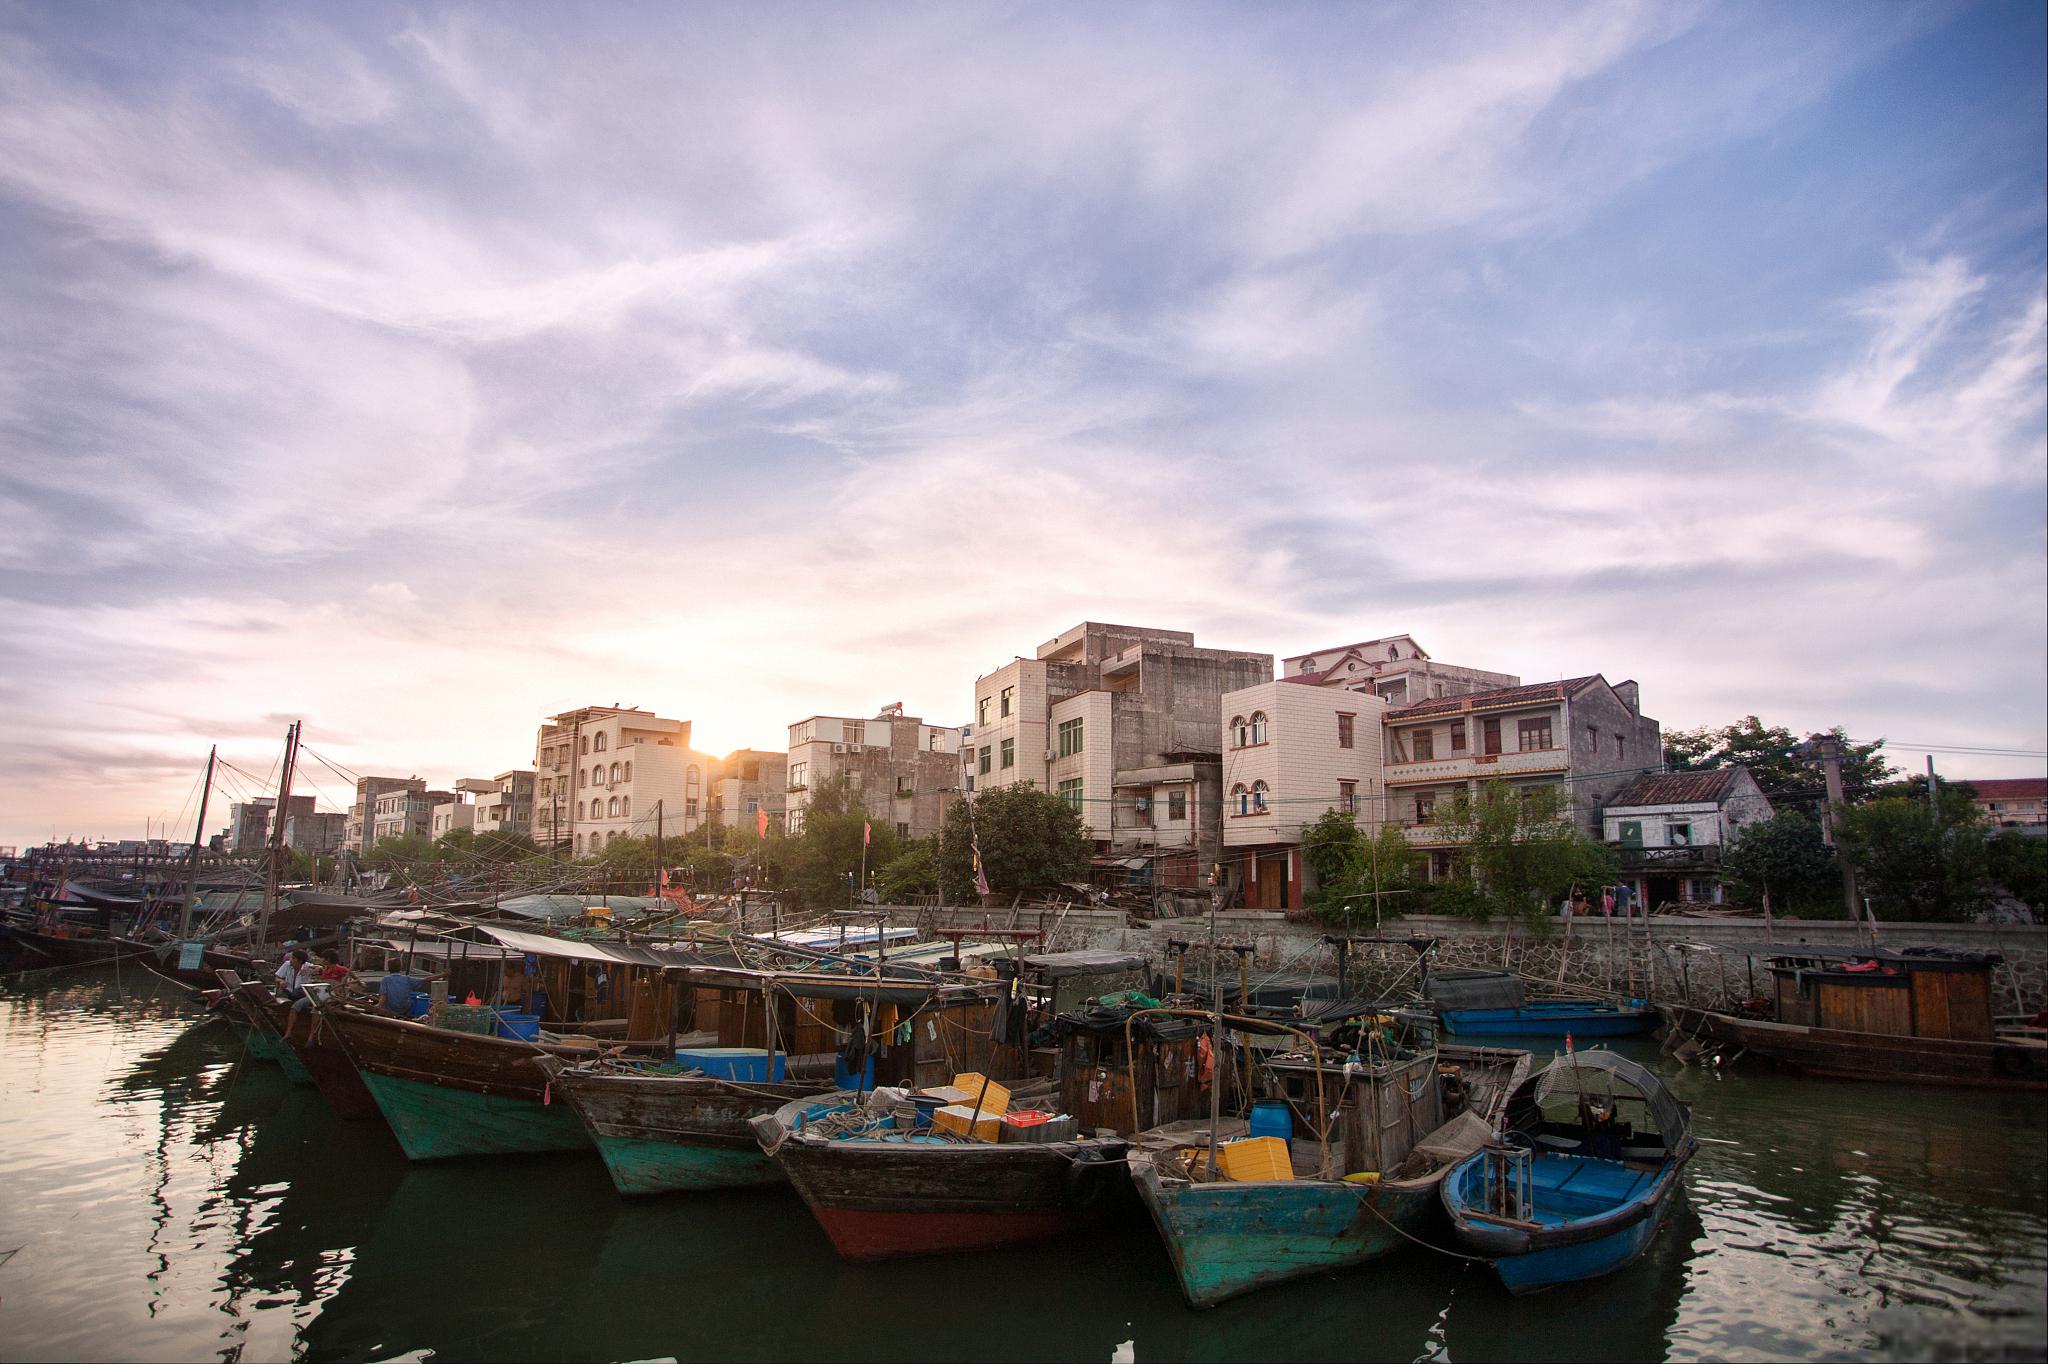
(958,1118)
(996,1100)
(1255,1158)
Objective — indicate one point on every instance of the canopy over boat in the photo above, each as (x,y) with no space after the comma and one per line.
(1608,1079)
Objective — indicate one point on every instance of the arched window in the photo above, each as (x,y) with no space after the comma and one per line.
(1241,798)
(615,772)
(611,808)
(585,747)
(582,779)
(597,744)
(1240,734)
(1258,726)
(625,807)
(629,772)
(1259,792)
(690,777)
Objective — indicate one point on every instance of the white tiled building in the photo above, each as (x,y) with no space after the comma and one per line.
(905,771)
(611,772)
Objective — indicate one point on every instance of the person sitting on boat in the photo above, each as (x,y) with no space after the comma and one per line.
(292,973)
(396,990)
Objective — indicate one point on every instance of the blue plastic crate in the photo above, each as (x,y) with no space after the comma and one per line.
(734,1063)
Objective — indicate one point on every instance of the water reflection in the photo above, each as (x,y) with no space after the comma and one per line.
(174,1201)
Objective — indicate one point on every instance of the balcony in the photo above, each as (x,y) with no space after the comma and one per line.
(1682,858)
(1478,767)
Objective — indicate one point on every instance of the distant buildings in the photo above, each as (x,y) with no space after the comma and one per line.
(1394,668)
(504,804)
(1122,722)
(1670,829)
(609,772)
(747,781)
(406,812)
(361,831)
(314,832)
(249,821)
(902,770)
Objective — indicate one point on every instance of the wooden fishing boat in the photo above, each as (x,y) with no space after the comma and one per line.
(1479,1003)
(1590,1166)
(245,1006)
(1904,1017)
(448,1093)
(1354,1189)
(311,1053)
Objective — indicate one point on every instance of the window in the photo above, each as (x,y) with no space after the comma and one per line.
(1394,693)
(625,807)
(796,775)
(902,829)
(579,809)
(981,761)
(1490,736)
(1176,807)
(904,787)
(1425,808)
(690,808)
(1618,750)
(1347,797)
(582,779)
(855,732)
(1070,791)
(1534,734)
(1240,733)
(970,783)
(585,746)
(691,777)
(1258,726)
(597,743)
(1678,835)
(1009,699)
(1242,798)
(1009,754)
(611,808)
(615,774)
(1457,736)
(1259,792)
(611,837)
(981,711)
(1425,744)
(1346,727)
(629,772)
(546,786)
(1070,737)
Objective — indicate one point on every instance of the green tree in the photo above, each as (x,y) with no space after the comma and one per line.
(824,858)
(1521,850)
(914,871)
(2018,862)
(1360,878)
(1766,750)
(1785,857)
(1030,839)
(1917,863)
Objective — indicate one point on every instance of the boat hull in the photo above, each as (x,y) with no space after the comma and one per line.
(1538,1020)
(2009,1064)
(1554,1250)
(317,1051)
(1228,1239)
(450,1094)
(880,1200)
(676,1134)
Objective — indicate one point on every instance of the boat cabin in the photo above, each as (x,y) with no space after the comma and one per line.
(1130,1074)
(1897,994)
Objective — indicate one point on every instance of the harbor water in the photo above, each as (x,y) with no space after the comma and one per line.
(163,1198)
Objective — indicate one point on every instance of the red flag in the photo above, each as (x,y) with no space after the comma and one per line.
(865,831)
(761,821)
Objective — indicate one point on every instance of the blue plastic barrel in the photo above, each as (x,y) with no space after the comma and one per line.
(1272,1118)
(421,1003)
(521,1027)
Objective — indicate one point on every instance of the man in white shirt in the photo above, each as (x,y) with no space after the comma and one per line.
(292,973)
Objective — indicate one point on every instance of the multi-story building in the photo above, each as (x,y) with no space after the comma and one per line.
(1395,668)
(1582,733)
(605,771)
(1668,830)
(2012,802)
(362,814)
(405,812)
(1119,720)
(747,781)
(504,803)
(458,811)
(249,823)
(1293,751)
(903,770)
(314,832)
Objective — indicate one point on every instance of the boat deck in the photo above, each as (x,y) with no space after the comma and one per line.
(1568,1188)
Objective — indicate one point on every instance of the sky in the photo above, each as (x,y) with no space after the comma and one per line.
(423,371)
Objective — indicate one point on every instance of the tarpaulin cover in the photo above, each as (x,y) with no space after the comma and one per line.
(1061,965)
(1473,990)
(1601,1074)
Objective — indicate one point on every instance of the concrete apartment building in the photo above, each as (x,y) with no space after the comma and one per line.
(905,771)
(1582,733)
(1293,751)
(1122,721)
(745,782)
(1668,831)
(313,832)
(2012,802)
(362,814)
(1394,668)
(504,803)
(404,813)
(603,771)
(249,821)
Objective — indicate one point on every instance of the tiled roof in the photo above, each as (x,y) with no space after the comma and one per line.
(1488,700)
(2009,788)
(1678,788)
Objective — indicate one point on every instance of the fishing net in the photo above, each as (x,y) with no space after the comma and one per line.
(1606,1080)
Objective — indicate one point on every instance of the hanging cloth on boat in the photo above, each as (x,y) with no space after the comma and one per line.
(1012,1015)
(854,1055)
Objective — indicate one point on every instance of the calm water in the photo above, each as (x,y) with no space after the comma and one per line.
(168,1202)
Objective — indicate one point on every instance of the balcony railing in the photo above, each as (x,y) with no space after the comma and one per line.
(1465,766)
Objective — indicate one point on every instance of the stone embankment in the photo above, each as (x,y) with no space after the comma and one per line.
(1707,962)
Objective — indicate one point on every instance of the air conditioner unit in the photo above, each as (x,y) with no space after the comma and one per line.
(839,748)
(1050,755)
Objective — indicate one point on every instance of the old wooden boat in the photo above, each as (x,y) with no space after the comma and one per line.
(245,1006)
(311,1053)
(1354,1187)
(1481,1003)
(448,1093)
(1917,1017)
(1590,1166)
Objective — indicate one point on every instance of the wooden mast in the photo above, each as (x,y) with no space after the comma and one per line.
(277,845)
(198,834)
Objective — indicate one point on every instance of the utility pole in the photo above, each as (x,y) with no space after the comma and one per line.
(198,833)
(1828,749)
(660,867)
(1940,876)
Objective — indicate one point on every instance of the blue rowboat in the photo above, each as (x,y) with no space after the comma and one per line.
(1594,1153)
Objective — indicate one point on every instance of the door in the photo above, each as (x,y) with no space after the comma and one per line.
(1490,736)
(1273,881)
